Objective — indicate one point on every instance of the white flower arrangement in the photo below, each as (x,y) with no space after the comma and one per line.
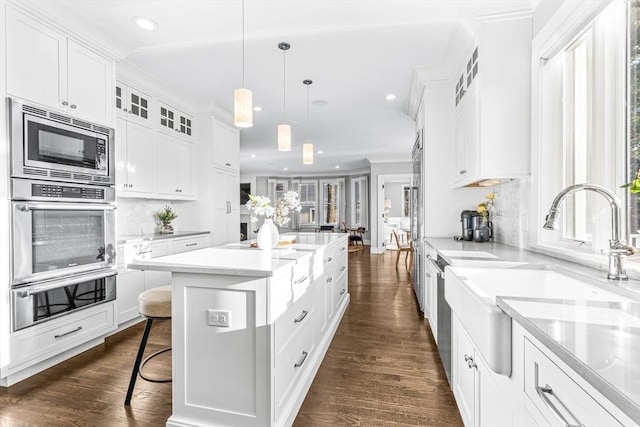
(261,206)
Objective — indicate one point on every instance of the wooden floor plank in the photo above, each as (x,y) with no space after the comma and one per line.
(382,369)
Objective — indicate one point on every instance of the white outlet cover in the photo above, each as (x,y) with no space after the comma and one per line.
(219,318)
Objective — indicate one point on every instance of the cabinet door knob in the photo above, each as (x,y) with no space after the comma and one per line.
(73,106)
(124,110)
(65,103)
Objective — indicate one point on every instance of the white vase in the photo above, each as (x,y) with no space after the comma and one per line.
(268,235)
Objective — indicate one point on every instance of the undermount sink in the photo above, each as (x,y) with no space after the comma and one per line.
(472,292)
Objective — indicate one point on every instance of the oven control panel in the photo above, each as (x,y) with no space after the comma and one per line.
(66,191)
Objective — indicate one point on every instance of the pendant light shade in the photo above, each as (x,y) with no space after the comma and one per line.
(307,153)
(243,108)
(307,147)
(242,97)
(284,130)
(284,138)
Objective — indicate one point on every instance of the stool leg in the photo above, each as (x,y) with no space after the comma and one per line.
(136,366)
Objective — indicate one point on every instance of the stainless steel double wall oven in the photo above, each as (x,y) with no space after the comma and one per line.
(62,215)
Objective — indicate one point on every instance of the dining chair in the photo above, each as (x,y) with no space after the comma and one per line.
(357,236)
(403,247)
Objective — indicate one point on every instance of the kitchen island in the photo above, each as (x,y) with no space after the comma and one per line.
(250,328)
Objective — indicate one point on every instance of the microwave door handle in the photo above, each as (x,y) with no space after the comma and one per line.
(65,207)
(31,290)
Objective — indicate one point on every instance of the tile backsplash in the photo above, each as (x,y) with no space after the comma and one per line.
(136,216)
(512,205)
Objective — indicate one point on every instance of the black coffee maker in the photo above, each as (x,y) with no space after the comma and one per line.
(466,218)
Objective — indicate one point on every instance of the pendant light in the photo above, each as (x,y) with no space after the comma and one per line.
(307,147)
(284,130)
(242,97)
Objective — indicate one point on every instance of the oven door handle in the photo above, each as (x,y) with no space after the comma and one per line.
(54,284)
(55,206)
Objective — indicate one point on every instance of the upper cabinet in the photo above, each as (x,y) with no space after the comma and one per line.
(47,68)
(133,104)
(493,105)
(226,146)
(172,120)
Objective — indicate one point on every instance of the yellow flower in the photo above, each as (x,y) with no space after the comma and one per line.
(482,208)
(491,196)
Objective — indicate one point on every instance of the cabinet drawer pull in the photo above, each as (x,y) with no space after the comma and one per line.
(302,316)
(300,280)
(329,279)
(342,248)
(467,357)
(342,268)
(544,393)
(342,291)
(191,244)
(72,106)
(79,328)
(329,259)
(302,360)
(144,252)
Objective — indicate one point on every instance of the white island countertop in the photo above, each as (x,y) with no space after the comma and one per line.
(239,259)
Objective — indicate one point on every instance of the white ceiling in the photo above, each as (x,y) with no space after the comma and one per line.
(355,52)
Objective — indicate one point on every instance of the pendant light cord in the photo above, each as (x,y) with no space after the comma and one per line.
(284,86)
(242,43)
(307,112)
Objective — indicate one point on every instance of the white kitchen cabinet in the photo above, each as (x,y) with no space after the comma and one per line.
(549,388)
(226,145)
(134,159)
(47,68)
(133,104)
(226,207)
(174,121)
(129,284)
(493,105)
(175,171)
(481,400)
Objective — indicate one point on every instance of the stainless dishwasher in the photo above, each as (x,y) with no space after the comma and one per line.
(444,321)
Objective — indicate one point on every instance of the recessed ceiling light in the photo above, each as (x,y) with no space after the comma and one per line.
(320,151)
(390,97)
(286,169)
(257,108)
(145,23)
(320,103)
(253,155)
(337,167)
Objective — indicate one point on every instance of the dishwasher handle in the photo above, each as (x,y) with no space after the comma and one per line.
(435,265)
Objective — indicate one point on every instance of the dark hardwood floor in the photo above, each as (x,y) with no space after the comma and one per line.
(382,369)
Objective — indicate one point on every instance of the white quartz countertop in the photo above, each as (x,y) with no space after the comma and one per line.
(222,261)
(157,236)
(599,340)
(240,259)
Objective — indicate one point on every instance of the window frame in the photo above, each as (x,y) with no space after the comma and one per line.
(609,124)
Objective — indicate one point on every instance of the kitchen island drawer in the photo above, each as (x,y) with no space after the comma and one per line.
(293,321)
(290,364)
(559,399)
(31,345)
(189,244)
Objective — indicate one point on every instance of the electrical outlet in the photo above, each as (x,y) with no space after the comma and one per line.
(219,318)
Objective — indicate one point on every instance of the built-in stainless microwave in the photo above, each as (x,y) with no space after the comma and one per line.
(53,146)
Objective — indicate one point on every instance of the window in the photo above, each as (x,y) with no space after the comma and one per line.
(358,201)
(633,121)
(308,191)
(331,201)
(406,200)
(580,124)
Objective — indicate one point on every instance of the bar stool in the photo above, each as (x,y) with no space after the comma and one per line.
(153,304)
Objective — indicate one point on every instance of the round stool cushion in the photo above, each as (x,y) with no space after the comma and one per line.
(155,302)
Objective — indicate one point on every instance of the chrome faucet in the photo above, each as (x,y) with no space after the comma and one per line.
(618,249)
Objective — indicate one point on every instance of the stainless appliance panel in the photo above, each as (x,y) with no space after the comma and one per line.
(50,145)
(33,304)
(52,239)
(444,321)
